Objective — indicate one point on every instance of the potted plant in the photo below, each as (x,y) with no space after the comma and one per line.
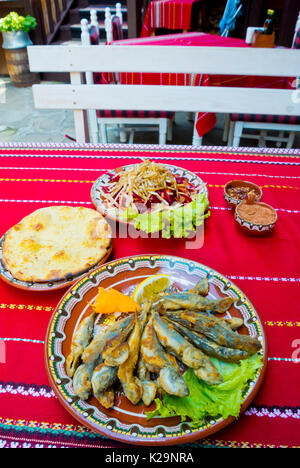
(15,29)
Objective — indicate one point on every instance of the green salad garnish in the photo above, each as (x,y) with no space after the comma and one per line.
(173,221)
(211,401)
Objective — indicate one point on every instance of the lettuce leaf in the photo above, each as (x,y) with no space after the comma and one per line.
(213,401)
(174,221)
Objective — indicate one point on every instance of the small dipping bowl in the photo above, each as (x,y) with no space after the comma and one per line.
(244,186)
(254,217)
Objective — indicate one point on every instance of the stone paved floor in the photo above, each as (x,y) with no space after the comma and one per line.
(21,122)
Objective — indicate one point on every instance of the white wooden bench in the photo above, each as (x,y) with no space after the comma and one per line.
(81,97)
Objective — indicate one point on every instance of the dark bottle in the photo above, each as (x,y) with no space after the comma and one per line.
(269,22)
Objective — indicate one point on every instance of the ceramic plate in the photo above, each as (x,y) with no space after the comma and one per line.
(105,179)
(6,276)
(125,422)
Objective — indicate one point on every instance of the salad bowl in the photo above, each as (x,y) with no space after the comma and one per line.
(163,213)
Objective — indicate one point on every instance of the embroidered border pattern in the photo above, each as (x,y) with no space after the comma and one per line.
(275,152)
(96,169)
(33,434)
(74,181)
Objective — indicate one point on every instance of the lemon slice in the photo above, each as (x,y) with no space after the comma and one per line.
(151,286)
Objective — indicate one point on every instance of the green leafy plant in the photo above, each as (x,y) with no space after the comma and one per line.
(15,22)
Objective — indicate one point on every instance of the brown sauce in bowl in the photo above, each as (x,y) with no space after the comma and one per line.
(256,213)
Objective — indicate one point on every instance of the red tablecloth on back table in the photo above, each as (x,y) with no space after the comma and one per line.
(266,269)
(205,121)
(168,14)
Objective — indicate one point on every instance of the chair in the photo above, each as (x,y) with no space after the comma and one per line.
(82,97)
(235,124)
(103,118)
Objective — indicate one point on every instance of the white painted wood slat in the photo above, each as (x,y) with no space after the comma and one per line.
(172,98)
(161,59)
(164,59)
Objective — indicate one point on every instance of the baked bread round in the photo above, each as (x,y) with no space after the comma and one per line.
(56,243)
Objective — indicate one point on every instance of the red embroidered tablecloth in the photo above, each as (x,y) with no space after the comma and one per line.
(168,14)
(205,121)
(266,269)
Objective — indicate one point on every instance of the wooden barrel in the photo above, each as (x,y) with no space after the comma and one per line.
(18,68)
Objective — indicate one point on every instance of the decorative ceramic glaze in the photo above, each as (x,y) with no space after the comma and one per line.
(126,422)
(240,183)
(6,276)
(16,40)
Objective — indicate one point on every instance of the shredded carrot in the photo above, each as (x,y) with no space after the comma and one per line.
(110,301)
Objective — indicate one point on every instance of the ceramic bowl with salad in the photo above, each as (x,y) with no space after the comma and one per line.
(154,198)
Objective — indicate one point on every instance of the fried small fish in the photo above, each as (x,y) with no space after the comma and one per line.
(153,354)
(131,385)
(193,301)
(107,398)
(157,360)
(216,330)
(149,386)
(117,355)
(82,384)
(103,377)
(210,348)
(187,353)
(97,345)
(81,339)
(202,287)
(234,322)
(168,381)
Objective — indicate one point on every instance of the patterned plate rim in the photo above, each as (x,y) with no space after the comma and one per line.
(89,415)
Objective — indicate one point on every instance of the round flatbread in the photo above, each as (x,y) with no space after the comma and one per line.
(56,243)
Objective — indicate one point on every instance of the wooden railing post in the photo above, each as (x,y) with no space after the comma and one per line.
(136,10)
(49,14)
(38,35)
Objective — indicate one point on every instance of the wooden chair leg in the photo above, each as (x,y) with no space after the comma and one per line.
(123,134)
(103,133)
(197,140)
(281,136)
(226,128)
(131,136)
(238,131)
(170,130)
(291,140)
(262,139)
(231,133)
(93,126)
(163,131)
